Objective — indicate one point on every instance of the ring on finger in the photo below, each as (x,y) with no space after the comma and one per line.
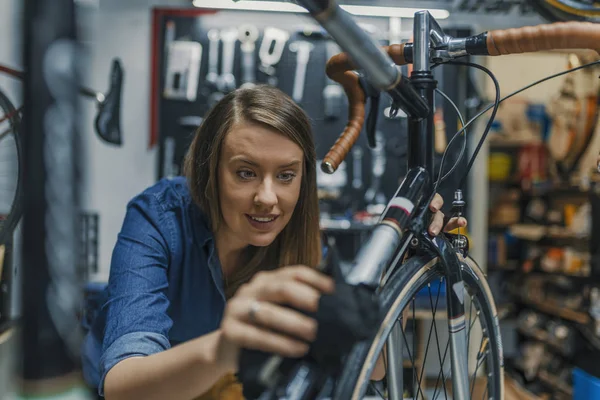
(254,308)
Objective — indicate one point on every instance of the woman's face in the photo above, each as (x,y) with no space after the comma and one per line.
(260,171)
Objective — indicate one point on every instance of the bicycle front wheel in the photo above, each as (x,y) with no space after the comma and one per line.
(415,312)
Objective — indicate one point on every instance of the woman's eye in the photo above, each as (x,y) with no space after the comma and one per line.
(287,176)
(245,174)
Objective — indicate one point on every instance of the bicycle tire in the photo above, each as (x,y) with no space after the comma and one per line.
(411,277)
(567,10)
(9,224)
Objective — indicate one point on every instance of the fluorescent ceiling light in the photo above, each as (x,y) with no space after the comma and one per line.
(402,12)
(277,6)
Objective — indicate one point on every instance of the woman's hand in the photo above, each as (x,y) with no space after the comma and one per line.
(260,315)
(438,218)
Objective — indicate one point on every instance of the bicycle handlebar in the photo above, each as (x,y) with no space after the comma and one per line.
(561,35)
(340,69)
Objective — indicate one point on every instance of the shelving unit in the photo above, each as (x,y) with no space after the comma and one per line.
(529,222)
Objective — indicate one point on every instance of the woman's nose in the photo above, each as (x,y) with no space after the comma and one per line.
(266,196)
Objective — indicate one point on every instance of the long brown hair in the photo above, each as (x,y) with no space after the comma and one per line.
(299,242)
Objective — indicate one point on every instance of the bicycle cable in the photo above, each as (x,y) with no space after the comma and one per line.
(495,105)
(508,96)
(464,146)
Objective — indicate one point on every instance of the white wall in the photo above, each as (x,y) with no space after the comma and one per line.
(114,175)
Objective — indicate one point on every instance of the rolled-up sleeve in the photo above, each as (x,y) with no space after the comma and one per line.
(137,322)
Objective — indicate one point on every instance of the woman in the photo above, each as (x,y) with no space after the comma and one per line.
(205,265)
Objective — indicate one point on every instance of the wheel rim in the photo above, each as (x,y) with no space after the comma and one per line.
(10,168)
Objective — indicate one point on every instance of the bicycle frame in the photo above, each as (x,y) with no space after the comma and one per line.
(405,218)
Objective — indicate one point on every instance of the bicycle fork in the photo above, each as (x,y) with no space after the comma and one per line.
(455,295)
(457,331)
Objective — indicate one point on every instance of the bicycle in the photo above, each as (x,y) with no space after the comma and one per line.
(399,258)
(107,125)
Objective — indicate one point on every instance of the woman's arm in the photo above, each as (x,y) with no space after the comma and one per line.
(190,369)
(182,372)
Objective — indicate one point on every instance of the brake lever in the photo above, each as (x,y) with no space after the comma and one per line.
(372,96)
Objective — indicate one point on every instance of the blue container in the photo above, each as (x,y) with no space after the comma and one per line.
(423,301)
(585,386)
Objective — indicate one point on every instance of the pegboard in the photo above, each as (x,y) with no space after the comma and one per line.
(174,119)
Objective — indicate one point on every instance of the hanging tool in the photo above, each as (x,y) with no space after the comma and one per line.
(248,34)
(226,82)
(302,49)
(270,52)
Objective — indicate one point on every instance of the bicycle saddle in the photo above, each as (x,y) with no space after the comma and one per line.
(108,120)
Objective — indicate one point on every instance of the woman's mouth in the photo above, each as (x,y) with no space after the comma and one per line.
(262,222)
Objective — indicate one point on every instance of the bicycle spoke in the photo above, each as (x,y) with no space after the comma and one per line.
(434,323)
(438,347)
(385,363)
(440,392)
(470,325)
(6,132)
(442,360)
(414,337)
(410,354)
(481,345)
(8,116)
(377,390)
(486,390)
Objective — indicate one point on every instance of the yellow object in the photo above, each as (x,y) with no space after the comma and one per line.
(226,388)
(499,165)
(464,232)
(570,211)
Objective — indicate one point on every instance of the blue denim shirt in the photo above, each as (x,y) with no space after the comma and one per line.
(165,284)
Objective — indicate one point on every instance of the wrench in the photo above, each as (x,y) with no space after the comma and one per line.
(302,49)
(270,52)
(333,93)
(226,82)
(248,34)
(213,56)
